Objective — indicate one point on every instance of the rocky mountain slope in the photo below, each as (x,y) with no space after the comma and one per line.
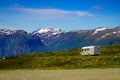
(57,39)
(18,42)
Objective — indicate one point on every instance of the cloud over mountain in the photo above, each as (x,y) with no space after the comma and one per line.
(53,11)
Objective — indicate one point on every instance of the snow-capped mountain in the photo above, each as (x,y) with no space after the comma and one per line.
(6,31)
(47,33)
(59,39)
(19,42)
(52,33)
(9,32)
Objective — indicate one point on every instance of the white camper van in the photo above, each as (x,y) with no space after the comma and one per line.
(90,50)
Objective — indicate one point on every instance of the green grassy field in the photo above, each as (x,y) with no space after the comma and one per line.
(82,74)
(65,59)
(59,62)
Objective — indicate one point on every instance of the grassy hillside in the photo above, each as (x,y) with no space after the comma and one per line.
(66,59)
(111,49)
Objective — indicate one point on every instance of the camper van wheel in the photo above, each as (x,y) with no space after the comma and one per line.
(88,54)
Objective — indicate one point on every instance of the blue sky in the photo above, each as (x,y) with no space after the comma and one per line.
(31,15)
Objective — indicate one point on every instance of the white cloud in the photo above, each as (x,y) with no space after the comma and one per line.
(54,11)
(83,13)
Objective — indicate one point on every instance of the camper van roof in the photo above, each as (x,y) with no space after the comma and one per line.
(88,47)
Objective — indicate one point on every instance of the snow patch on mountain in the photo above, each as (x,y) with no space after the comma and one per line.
(97,30)
(45,30)
(6,31)
(9,32)
(114,32)
(105,35)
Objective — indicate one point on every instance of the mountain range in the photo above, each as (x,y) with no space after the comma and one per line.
(13,42)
